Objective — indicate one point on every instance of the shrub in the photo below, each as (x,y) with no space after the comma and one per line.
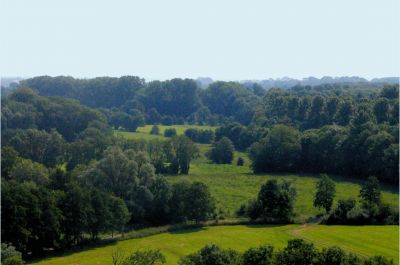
(297,252)
(222,151)
(211,255)
(155,130)
(262,255)
(171,132)
(240,161)
(200,136)
(378,260)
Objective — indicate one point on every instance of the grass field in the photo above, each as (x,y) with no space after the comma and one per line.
(233,185)
(144,132)
(180,129)
(361,240)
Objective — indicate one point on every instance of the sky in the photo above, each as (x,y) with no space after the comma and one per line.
(221,39)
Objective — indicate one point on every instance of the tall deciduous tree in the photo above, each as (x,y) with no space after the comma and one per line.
(325,193)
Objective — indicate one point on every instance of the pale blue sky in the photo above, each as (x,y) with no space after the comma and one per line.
(229,39)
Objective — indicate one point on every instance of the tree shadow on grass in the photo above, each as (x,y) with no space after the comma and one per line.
(188,230)
(74,250)
(260,225)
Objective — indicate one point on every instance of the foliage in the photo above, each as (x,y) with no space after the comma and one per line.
(376,240)
(222,151)
(370,192)
(25,109)
(278,152)
(155,130)
(372,210)
(240,161)
(170,132)
(200,136)
(144,257)
(10,256)
(274,204)
(180,150)
(325,193)
(262,255)
(297,252)
(241,136)
(211,254)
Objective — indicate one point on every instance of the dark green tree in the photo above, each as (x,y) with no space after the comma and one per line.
(240,161)
(211,254)
(182,151)
(155,130)
(262,255)
(278,152)
(277,201)
(222,151)
(297,252)
(200,204)
(325,193)
(370,192)
(170,132)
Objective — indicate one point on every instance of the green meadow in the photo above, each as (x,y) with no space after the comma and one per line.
(232,186)
(362,240)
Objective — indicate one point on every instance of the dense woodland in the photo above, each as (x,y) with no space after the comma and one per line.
(67,179)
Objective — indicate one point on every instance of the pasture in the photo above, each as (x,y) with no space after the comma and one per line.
(361,240)
(233,185)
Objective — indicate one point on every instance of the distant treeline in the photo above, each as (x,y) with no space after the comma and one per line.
(129,101)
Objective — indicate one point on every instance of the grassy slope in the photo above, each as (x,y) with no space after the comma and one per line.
(232,185)
(363,240)
(367,240)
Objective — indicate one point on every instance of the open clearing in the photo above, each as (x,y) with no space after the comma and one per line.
(361,240)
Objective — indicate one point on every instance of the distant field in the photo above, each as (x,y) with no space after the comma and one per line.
(366,241)
(144,132)
(180,129)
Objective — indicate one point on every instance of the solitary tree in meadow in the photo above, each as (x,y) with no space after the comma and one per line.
(325,193)
(222,151)
(155,130)
(370,192)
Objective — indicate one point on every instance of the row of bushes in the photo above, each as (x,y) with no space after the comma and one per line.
(297,252)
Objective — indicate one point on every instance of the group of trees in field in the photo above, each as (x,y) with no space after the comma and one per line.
(66,179)
(370,210)
(275,204)
(200,136)
(296,252)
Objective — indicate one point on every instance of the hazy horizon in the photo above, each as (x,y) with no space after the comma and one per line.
(224,40)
